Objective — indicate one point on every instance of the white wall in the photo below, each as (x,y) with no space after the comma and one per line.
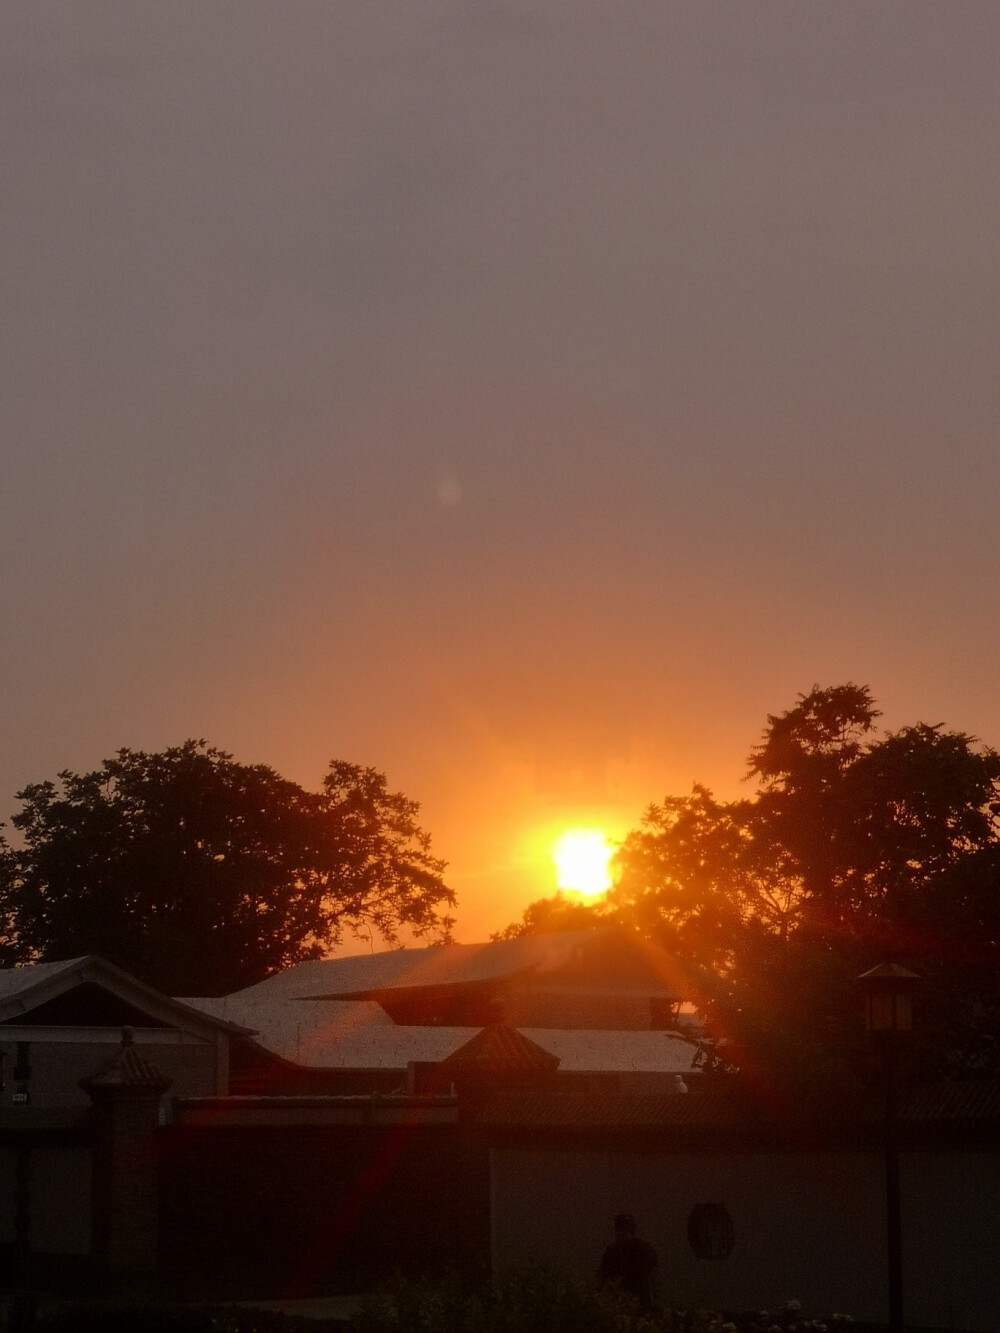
(808,1226)
(58,1066)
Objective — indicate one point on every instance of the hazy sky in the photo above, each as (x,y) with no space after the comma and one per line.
(521,397)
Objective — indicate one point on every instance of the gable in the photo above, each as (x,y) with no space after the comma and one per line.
(31,995)
(86,1005)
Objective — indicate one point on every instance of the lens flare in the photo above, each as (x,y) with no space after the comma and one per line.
(581,858)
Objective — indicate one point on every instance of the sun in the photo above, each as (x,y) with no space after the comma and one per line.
(581,857)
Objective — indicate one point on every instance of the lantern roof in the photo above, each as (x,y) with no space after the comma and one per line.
(889,972)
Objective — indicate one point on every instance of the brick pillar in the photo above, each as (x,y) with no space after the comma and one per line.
(126,1094)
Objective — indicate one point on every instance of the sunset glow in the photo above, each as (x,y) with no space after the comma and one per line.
(581,859)
(417,387)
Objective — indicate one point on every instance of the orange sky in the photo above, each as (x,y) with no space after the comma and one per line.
(523,399)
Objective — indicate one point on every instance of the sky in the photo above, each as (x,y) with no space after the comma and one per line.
(522,397)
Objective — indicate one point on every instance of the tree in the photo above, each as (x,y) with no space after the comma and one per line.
(547,916)
(693,876)
(856,846)
(202,875)
(890,843)
(870,823)
(801,765)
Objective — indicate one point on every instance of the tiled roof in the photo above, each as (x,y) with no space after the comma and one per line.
(601,1050)
(334,1034)
(127,1069)
(358,1034)
(499,1049)
(443,964)
(466,964)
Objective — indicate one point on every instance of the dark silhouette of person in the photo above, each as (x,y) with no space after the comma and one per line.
(629,1262)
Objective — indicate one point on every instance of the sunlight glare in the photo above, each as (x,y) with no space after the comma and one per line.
(581,859)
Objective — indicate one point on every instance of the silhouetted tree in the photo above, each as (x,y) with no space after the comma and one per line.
(548,916)
(856,846)
(870,824)
(202,875)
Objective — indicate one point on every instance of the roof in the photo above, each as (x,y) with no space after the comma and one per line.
(358,976)
(322,1014)
(127,1068)
(25,988)
(16,981)
(499,1049)
(332,1034)
(887,973)
(596,1050)
(359,1034)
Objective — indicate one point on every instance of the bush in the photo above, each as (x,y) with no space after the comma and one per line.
(540,1300)
(534,1300)
(103,1318)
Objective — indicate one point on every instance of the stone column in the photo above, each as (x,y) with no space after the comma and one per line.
(126,1094)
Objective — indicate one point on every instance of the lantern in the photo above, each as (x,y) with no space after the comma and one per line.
(888,991)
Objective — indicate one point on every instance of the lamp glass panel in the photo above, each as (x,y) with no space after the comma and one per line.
(890,1011)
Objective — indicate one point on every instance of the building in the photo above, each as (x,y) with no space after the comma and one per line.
(603,1002)
(61,1028)
(749,1202)
(60,1021)
(482,1147)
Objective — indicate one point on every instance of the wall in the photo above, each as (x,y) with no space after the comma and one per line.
(808,1226)
(45,1204)
(59,1206)
(58,1066)
(8,1190)
(297,1209)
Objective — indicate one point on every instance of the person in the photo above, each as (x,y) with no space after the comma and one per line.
(629,1262)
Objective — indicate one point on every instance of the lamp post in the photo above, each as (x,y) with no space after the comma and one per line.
(888,992)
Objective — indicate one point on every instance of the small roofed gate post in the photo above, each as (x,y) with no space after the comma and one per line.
(497,1058)
(126,1093)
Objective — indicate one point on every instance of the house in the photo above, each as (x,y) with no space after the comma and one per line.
(61,1026)
(746,1202)
(602,1002)
(59,1021)
(504,1157)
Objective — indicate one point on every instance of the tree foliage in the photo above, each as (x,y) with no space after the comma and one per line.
(202,875)
(548,916)
(856,846)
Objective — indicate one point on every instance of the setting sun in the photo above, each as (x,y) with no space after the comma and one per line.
(581,859)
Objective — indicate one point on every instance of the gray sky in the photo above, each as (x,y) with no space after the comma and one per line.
(524,398)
